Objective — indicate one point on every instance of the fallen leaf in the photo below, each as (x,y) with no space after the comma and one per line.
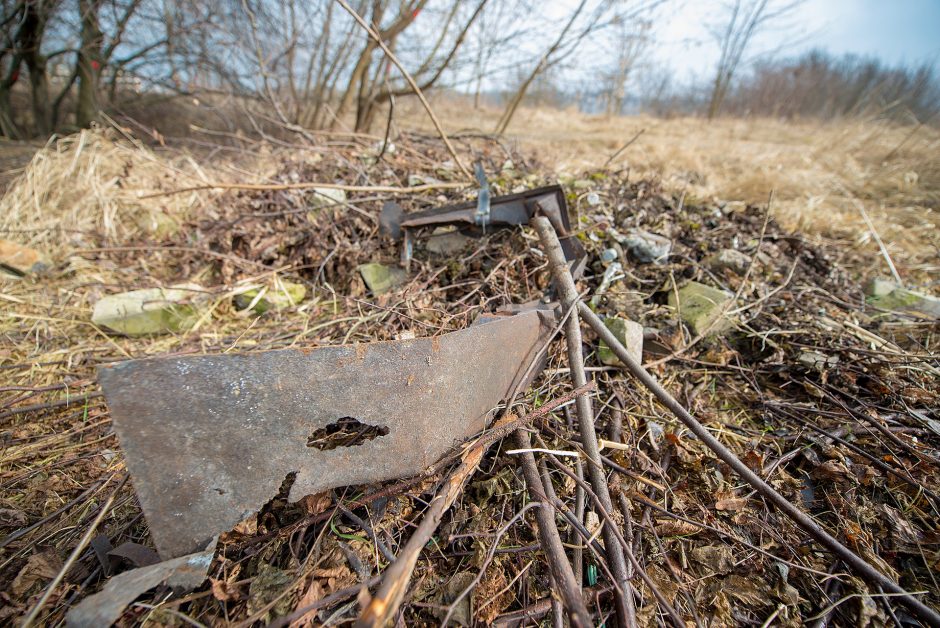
(224,591)
(266,587)
(746,591)
(248,527)
(317,503)
(731,504)
(10,517)
(38,568)
(674,527)
(831,470)
(314,593)
(719,559)
(454,587)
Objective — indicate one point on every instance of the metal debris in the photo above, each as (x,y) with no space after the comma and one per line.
(210,439)
(474,217)
(104,608)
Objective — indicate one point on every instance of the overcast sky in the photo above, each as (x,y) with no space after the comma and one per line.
(898,31)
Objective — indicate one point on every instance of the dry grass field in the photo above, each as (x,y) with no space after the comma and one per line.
(108,212)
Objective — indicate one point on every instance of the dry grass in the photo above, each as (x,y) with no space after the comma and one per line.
(87,186)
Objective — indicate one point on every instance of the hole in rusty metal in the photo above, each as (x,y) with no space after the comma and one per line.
(345,432)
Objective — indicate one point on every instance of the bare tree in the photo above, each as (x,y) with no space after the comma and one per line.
(24,25)
(746,18)
(580,25)
(630,40)
(547,60)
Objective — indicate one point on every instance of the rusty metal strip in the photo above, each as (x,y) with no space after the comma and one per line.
(210,439)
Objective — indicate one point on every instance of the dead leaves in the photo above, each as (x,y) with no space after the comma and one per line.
(12,518)
(731,504)
(224,591)
(675,527)
(39,569)
(320,583)
(317,503)
(268,593)
(314,593)
(718,559)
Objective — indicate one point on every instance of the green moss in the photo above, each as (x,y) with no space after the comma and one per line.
(149,311)
(699,306)
(283,294)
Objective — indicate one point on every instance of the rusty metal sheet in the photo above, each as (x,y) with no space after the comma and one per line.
(210,439)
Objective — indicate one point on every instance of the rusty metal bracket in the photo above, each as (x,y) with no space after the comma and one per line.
(210,439)
(504,211)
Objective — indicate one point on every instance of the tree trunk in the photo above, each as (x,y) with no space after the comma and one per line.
(89,63)
(358,74)
(29,40)
(7,126)
(718,96)
(42,106)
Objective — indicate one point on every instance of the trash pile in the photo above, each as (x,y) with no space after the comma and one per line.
(367,405)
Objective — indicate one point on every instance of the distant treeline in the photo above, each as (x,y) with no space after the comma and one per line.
(814,85)
(820,85)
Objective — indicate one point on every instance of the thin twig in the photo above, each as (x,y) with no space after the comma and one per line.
(489,558)
(89,533)
(874,233)
(569,297)
(550,538)
(379,189)
(850,558)
(623,148)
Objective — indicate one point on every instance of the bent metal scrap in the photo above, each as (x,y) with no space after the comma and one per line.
(210,439)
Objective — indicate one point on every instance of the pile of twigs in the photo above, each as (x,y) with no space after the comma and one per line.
(838,456)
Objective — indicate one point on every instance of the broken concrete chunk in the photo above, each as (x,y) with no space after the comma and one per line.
(150,311)
(326,197)
(20,260)
(730,259)
(647,247)
(323,198)
(700,306)
(380,279)
(887,295)
(281,294)
(816,361)
(446,242)
(104,608)
(630,334)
